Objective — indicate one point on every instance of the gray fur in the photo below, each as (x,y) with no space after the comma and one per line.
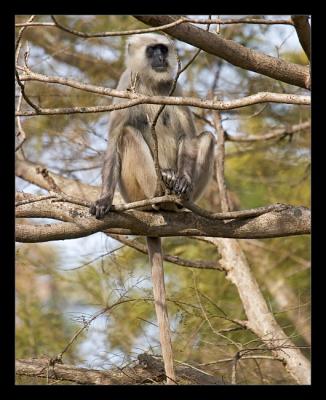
(186,158)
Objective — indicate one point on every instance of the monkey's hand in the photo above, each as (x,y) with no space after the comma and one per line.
(101,206)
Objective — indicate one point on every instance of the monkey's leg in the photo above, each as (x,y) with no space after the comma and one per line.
(156,261)
(204,164)
(195,164)
(138,176)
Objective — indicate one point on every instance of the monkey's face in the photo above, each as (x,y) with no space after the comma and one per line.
(151,56)
(157,56)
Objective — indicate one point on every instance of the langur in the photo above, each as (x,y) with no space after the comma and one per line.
(185,157)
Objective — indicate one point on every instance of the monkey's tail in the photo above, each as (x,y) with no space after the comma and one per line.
(156,262)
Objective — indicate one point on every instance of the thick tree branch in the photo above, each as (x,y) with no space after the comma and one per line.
(301,24)
(148,370)
(290,221)
(233,52)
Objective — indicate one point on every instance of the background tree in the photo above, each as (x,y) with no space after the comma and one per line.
(89,299)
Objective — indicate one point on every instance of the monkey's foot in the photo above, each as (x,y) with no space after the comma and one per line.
(101,207)
(182,187)
(179,185)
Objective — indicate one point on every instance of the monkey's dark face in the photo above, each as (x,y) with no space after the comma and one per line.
(158,57)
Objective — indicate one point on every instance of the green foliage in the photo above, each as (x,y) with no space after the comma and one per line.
(202,303)
(41,326)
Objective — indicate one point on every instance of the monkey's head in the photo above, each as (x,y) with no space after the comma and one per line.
(151,55)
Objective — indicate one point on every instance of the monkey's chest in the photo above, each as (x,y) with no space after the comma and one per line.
(167,132)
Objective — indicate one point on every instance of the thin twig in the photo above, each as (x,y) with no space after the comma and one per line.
(160,186)
(253,212)
(166,26)
(219,156)
(173,259)
(33,200)
(88,322)
(21,131)
(136,99)
(27,24)
(277,133)
(194,56)
(209,322)
(122,33)
(20,34)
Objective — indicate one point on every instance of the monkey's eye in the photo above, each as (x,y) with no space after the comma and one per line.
(149,50)
(161,48)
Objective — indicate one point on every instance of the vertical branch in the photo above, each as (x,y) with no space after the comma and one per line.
(160,186)
(21,131)
(219,157)
(260,320)
(20,34)
(301,24)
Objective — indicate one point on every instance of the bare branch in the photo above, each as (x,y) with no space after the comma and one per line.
(148,370)
(21,133)
(288,221)
(135,99)
(221,21)
(167,257)
(27,24)
(121,33)
(276,133)
(78,223)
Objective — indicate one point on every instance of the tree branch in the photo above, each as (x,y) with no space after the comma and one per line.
(167,257)
(259,318)
(148,370)
(233,52)
(301,24)
(135,99)
(78,223)
(274,134)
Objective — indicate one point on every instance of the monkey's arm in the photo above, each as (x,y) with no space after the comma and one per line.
(110,171)
(194,166)
(110,176)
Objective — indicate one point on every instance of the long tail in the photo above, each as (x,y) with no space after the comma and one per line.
(156,261)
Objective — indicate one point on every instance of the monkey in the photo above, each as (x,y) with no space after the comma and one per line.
(185,157)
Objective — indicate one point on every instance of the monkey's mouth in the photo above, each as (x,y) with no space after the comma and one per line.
(160,68)
(160,65)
